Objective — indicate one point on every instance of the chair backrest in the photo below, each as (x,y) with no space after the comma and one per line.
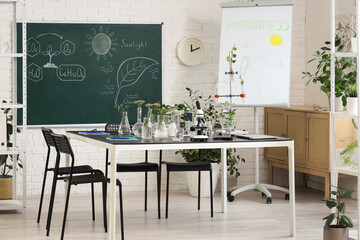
(47,136)
(112,127)
(62,144)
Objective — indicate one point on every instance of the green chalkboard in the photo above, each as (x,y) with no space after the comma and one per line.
(77,73)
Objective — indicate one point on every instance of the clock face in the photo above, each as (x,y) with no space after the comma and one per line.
(190,51)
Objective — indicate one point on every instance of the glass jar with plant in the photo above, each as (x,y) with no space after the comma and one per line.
(147,128)
(124,127)
(340,230)
(345,71)
(7,160)
(161,130)
(211,114)
(138,125)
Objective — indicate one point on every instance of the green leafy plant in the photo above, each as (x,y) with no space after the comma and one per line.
(339,215)
(6,161)
(232,56)
(212,114)
(139,103)
(349,150)
(352,91)
(345,71)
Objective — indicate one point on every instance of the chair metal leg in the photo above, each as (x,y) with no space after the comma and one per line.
(42,195)
(167,195)
(93,201)
(51,204)
(199,188)
(146,183)
(121,211)
(158,191)
(65,210)
(104,193)
(211,195)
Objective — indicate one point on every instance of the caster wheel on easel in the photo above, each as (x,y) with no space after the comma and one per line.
(287,196)
(268,200)
(231,198)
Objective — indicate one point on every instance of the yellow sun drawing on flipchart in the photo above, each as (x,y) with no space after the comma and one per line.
(101,43)
(276,39)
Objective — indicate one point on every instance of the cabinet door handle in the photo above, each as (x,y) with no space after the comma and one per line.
(283,135)
(306,139)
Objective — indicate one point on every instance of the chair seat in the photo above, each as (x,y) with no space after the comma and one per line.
(137,167)
(76,169)
(185,166)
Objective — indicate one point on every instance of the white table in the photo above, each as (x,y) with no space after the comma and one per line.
(117,146)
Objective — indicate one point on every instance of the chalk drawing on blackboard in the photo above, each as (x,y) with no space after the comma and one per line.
(33,47)
(71,72)
(108,88)
(101,43)
(131,70)
(107,68)
(130,98)
(54,34)
(154,72)
(49,52)
(67,47)
(34,72)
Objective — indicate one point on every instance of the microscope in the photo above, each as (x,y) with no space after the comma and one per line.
(198,130)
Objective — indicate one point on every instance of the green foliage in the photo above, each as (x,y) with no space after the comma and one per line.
(345,70)
(349,150)
(232,55)
(352,91)
(339,215)
(212,114)
(6,161)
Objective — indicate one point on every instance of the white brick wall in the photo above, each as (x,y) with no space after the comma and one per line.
(201,18)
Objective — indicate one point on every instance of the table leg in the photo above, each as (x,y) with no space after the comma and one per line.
(112,209)
(223,181)
(292,188)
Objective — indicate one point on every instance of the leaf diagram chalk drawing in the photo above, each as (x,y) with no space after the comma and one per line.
(154,72)
(131,70)
(101,43)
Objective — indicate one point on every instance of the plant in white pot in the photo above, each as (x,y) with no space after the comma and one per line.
(6,161)
(339,230)
(352,100)
(208,155)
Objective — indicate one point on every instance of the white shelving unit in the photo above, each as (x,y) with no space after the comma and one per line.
(18,202)
(335,171)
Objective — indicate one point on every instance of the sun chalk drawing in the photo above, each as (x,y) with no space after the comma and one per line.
(131,70)
(101,43)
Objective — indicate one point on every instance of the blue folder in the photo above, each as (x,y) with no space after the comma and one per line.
(121,138)
(94,133)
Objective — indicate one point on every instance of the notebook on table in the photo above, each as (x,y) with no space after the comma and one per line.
(255,136)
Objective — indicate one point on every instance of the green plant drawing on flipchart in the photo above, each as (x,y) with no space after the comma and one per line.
(131,70)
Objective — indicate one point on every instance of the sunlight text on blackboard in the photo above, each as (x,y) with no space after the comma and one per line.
(132,44)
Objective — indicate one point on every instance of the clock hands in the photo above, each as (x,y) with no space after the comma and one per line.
(192,50)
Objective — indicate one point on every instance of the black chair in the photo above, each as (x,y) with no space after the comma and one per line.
(61,171)
(184,167)
(62,145)
(136,167)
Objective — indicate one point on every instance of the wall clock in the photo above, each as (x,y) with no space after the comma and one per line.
(190,51)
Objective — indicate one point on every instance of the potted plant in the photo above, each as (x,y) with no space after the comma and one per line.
(212,115)
(352,100)
(345,71)
(339,230)
(6,161)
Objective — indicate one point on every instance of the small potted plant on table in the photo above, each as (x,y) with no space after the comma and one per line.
(339,230)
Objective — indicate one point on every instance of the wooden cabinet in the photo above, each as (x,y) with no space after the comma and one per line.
(310,130)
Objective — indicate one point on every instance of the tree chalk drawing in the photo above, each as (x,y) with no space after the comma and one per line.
(49,52)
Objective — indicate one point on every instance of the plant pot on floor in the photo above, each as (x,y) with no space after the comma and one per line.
(192,180)
(352,105)
(6,187)
(335,232)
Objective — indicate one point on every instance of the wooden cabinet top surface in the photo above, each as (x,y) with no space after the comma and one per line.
(300,108)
